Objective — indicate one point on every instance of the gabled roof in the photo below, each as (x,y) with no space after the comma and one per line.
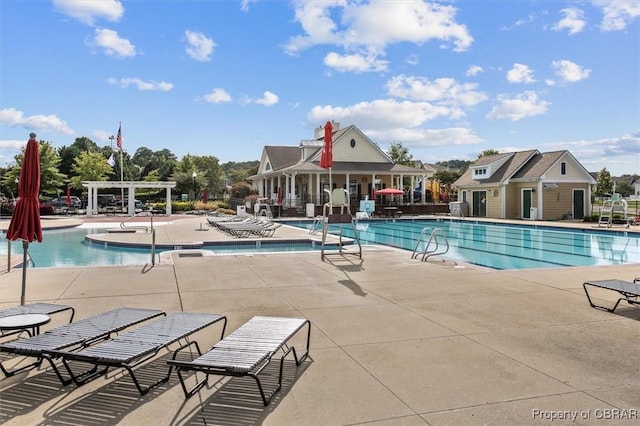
(282,156)
(539,165)
(515,161)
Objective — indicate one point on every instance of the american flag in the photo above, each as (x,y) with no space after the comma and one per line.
(119,138)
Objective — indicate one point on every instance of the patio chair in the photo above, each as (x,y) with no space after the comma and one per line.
(133,348)
(75,335)
(34,308)
(630,291)
(246,352)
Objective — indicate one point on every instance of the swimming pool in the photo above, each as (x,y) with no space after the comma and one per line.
(504,246)
(68,248)
(496,246)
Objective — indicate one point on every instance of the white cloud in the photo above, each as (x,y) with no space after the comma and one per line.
(424,138)
(112,43)
(445,91)
(217,96)
(569,71)
(520,73)
(88,12)
(524,105)
(244,4)
(359,28)
(573,21)
(162,86)
(44,123)
(617,14)
(619,153)
(354,63)
(199,46)
(474,70)
(268,99)
(380,114)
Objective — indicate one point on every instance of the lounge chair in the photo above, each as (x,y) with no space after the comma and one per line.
(130,349)
(34,308)
(630,291)
(246,352)
(75,335)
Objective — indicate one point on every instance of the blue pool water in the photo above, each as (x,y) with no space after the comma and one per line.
(68,248)
(501,246)
(495,246)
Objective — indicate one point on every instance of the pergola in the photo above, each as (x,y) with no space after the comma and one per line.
(130,186)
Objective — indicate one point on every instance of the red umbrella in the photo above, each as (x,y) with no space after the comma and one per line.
(326,160)
(25,222)
(68,201)
(280,195)
(389,191)
(205,195)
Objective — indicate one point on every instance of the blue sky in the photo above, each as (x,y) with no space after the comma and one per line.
(447,79)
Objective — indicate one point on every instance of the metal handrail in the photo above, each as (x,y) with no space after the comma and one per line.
(123,224)
(147,229)
(435,235)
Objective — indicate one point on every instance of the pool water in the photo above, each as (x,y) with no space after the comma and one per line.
(502,246)
(496,246)
(68,248)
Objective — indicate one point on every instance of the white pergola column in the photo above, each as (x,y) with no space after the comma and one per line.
(168,202)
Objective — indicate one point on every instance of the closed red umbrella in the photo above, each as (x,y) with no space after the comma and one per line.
(326,160)
(25,222)
(279,196)
(68,201)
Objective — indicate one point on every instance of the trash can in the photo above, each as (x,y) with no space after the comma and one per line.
(241,210)
(311,210)
(533,213)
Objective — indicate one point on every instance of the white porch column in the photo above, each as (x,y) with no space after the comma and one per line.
(318,194)
(94,196)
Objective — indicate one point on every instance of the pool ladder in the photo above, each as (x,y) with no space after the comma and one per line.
(436,244)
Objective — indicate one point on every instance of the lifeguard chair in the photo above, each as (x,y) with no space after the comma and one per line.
(338,199)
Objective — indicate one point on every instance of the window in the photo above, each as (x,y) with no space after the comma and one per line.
(563,168)
(479,172)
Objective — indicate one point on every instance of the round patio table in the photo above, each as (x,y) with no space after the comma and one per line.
(23,322)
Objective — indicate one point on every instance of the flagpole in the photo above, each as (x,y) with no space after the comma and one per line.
(119,143)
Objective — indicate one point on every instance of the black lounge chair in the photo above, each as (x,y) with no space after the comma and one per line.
(74,335)
(630,291)
(34,308)
(246,352)
(130,349)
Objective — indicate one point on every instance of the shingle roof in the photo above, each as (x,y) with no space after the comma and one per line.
(538,165)
(282,156)
(506,171)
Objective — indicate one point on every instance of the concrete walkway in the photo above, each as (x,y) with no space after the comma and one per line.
(394,341)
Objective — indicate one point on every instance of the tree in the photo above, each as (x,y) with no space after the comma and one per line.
(51,180)
(90,166)
(400,155)
(488,152)
(446,178)
(604,183)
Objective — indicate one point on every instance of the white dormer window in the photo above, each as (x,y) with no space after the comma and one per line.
(481,173)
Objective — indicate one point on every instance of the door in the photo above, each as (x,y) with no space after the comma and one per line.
(526,203)
(578,203)
(479,204)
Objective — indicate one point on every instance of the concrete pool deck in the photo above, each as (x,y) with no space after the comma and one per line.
(394,341)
